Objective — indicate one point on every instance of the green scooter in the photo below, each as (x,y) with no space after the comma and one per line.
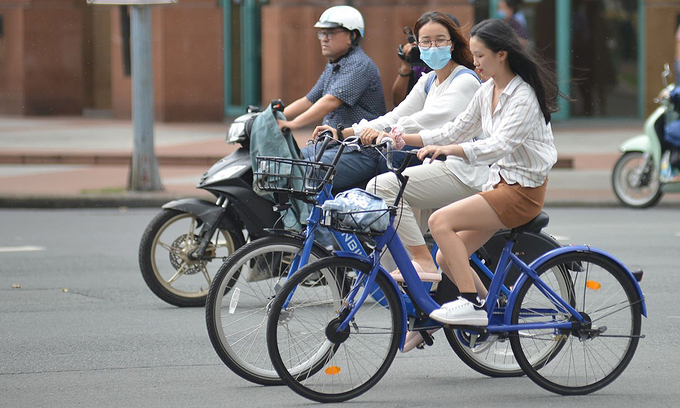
(639,178)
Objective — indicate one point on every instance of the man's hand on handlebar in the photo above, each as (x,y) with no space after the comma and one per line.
(286,125)
(319,129)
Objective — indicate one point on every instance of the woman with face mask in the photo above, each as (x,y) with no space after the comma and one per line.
(435,185)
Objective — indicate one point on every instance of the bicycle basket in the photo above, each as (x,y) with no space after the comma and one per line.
(293,176)
(365,222)
(358,212)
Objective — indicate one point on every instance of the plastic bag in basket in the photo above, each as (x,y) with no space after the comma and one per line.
(359,209)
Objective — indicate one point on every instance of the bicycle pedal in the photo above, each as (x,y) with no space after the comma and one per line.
(427,337)
(425,342)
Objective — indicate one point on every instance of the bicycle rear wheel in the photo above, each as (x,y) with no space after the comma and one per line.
(238,300)
(313,357)
(591,354)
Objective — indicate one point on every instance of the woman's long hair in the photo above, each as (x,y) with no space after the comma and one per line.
(461,53)
(497,36)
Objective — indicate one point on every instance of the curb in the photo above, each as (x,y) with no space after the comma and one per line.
(102,159)
(130,200)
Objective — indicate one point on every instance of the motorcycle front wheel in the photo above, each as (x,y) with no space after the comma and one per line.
(635,180)
(165,257)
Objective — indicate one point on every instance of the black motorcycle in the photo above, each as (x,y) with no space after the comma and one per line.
(186,243)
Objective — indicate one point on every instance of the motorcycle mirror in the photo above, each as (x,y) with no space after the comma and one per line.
(666,74)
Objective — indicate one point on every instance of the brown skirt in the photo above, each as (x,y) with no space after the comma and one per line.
(514,204)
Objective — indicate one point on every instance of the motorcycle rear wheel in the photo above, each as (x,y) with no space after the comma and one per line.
(636,181)
(164,258)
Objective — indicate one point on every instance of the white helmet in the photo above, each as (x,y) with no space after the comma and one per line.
(342,16)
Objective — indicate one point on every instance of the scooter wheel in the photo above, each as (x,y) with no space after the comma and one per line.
(166,262)
(636,181)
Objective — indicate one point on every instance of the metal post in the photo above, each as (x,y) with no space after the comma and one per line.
(144,174)
(226,57)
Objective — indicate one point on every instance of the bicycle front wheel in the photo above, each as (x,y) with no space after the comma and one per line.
(591,354)
(312,355)
(239,297)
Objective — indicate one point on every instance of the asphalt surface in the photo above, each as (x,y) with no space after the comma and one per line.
(79,328)
(71,162)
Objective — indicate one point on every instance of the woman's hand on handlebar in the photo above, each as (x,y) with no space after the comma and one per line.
(368,136)
(436,151)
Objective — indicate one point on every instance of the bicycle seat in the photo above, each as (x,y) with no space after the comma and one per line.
(535,225)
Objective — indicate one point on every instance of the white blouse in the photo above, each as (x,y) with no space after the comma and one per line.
(517,142)
(420,111)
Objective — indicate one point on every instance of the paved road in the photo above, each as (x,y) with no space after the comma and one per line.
(81,328)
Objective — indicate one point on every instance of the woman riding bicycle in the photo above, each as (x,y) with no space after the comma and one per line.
(512,109)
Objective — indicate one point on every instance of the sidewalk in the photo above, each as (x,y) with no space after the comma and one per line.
(58,162)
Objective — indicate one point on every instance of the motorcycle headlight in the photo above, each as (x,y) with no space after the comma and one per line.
(225,173)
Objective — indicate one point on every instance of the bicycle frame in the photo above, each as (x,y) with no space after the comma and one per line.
(422,299)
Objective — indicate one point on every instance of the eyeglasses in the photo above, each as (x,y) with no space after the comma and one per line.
(327,34)
(439,42)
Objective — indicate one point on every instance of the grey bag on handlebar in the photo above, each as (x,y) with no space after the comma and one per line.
(267,140)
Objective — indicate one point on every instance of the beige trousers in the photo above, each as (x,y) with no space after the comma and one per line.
(430,186)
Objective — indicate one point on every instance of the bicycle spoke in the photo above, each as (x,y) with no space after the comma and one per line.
(593,352)
(326,364)
(239,302)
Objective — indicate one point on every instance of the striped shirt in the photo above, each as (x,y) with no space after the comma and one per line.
(517,142)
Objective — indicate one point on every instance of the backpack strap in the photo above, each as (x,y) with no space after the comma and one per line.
(429,83)
(431,79)
(468,71)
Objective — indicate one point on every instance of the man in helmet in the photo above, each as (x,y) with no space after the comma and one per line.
(349,88)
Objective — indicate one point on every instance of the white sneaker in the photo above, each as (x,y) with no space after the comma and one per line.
(461,312)
(453,304)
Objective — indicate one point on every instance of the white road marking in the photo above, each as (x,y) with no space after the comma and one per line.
(26,248)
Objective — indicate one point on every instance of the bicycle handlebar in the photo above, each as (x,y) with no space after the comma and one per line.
(388,144)
(324,144)
(326,138)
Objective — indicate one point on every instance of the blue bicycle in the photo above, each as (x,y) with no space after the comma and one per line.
(242,290)
(572,317)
